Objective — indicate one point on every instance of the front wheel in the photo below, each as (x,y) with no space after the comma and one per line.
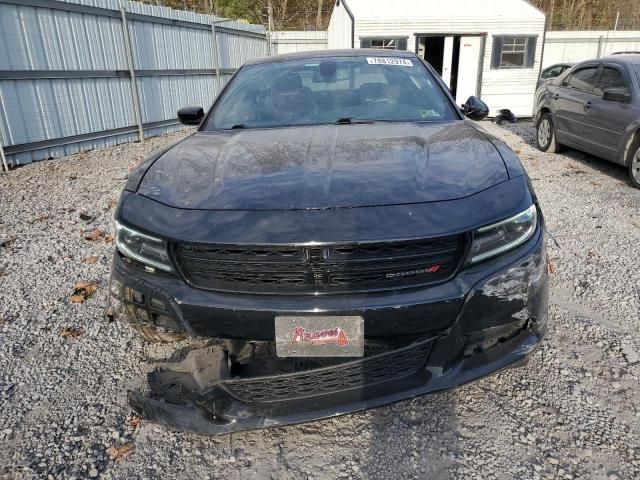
(634,164)
(546,135)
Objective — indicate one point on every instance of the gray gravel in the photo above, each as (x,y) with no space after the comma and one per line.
(572,412)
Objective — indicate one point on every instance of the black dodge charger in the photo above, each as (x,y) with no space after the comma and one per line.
(341,233)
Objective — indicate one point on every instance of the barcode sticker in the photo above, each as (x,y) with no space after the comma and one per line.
(401,62)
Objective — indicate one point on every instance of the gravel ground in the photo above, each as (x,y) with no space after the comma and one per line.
(572,412)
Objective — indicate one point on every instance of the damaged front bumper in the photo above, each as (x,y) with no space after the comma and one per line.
(184,397)
(502,318)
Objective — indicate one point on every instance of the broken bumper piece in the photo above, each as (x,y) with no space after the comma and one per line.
(198,395)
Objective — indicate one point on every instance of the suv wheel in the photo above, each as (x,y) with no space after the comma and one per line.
(546,134)
(634,164)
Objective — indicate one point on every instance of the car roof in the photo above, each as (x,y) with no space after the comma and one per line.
(351,52)
(624,57)
(560,64)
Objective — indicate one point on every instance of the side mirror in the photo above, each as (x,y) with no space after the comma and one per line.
(191,115)
(616,96)
(475,109)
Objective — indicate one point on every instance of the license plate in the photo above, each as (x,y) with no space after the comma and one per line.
(329,336)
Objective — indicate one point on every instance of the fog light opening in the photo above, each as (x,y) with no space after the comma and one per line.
(481,342)
(137,297)
(158,305)
(165,321)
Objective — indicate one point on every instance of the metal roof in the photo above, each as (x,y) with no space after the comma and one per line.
(449,9)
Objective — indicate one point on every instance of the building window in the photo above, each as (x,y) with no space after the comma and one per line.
(513,52)
(384,43)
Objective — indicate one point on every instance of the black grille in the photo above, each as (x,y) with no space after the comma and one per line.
(331,269)
(393,365)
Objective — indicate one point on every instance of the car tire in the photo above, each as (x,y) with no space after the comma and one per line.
(157,335)
(546,134)
(634,162)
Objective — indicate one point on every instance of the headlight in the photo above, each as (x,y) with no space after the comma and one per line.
(495,239)
(143,248)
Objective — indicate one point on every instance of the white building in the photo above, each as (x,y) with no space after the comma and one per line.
(489,48)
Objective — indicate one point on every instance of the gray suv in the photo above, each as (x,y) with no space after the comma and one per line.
(594,107)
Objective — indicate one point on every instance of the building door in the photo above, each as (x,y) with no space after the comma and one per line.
(441,53)
(456,58)
(432,50)
(447,61)
(468,66)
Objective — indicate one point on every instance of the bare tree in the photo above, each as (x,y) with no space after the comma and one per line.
(310,14)
(278,13)
(590,14)
(319,15)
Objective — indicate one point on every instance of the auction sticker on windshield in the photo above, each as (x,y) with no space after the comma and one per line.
(401,62)
(321,336)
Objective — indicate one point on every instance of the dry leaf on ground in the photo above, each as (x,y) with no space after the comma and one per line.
(8,242)
(72,332)
(90,260)
(120,452)
(108,239)
(135,422)
(94,235)
(39,219)
(85,217)
(550,267)
(83,290)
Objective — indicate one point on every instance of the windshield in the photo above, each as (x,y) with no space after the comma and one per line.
(637,66)
(330,90)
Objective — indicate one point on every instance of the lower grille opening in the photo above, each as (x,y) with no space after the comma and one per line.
(258,376)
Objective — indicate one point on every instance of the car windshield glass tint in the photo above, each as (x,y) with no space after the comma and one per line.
(582,79)
(552,72)
(330,90)
(637,66)
(610,79)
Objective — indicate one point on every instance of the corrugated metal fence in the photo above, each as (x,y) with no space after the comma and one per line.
(576,46)
(83,74)
(297,41)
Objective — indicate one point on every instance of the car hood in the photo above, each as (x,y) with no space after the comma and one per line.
(329,166)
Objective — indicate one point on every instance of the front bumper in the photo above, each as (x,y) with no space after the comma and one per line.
(486,318)
(212,410)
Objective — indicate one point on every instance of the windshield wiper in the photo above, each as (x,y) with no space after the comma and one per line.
(351,121)
(238,126)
